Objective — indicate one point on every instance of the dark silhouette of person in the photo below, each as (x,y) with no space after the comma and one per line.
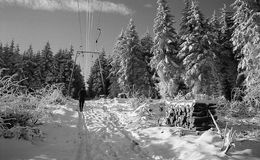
(82,95)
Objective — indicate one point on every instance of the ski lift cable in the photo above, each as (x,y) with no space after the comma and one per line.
(81,39)
(90,2)
(99,16)
(88,28)
(98,24)
(80,28)
(87,33)
(97,40)
(92,19)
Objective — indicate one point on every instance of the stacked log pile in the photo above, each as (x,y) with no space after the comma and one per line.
(192,114)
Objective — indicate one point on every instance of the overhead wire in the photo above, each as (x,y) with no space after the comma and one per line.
(88,22)
(99,15)
(80,28)
(89,27)
(87,35)
(92,16)
(81,43)
(97,40)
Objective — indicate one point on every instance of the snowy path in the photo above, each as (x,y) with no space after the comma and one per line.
(83,149)
(104,137)
(110,131)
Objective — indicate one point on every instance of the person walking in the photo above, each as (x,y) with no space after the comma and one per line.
(82,95)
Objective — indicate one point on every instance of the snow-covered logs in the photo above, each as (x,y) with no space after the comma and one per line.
(192,114)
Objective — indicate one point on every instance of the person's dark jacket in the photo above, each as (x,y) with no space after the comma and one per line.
(82,94)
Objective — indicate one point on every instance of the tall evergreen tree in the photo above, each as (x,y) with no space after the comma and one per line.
(250,63)
(63,64)
(247,42)
(11,59)
(213,35)
(165,50)
(28,68)
(241,14)
(63,67)
(47,65)
(114,88)
(227,61)
(197,54)
(146,45)
(133,73)
(184,28)
(38,75)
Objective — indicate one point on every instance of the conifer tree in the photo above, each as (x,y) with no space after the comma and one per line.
(214,26)
(197,54)
(227,62)
(114,88)
(28,68)
(246,41)
(11,59)
(165,50)
(213,35)
(146,45)
(63,65)
(133,76)
(47,65)
(38,75)
(241,14)
(250,63)
(184,28)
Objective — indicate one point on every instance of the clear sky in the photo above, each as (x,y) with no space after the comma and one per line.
(37,21)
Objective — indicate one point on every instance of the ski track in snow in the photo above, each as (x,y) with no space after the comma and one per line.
(101,120)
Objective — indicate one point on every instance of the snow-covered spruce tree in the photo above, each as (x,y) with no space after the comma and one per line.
(184,28)
(11,60)
(28,66)
(197,55)
(38,75)
(63,67)
(213,34)
(241,14)
(147,44)
(165,51)
(114,88)
(47,65)
(133,74)
(246,40)
(227,61)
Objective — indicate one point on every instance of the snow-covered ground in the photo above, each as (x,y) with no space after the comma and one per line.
(110,129)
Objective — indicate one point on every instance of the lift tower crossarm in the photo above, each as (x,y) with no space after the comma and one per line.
(91,52)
